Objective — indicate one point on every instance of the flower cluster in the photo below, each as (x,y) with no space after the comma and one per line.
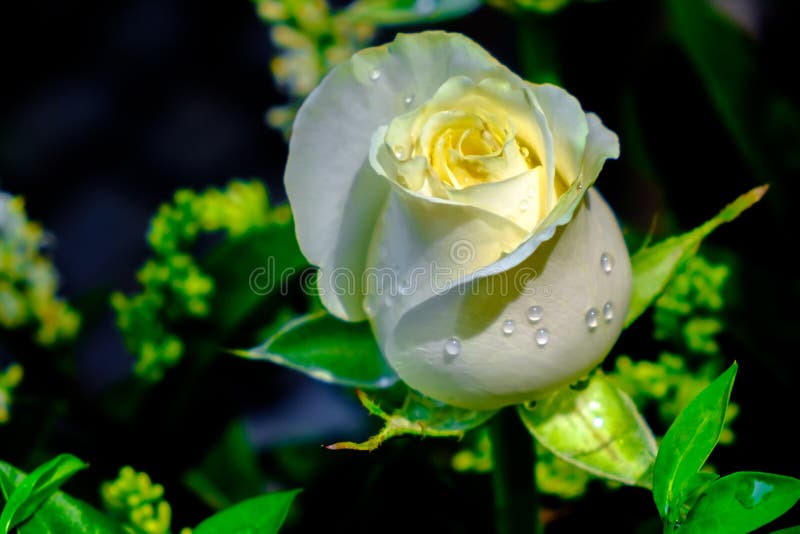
(175,286)
(9,379)
(135,500)
(28,280)
(311,40)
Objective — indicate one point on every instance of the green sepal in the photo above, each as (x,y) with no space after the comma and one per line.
(330,350)
(597,428)
(654,266)
(418,416)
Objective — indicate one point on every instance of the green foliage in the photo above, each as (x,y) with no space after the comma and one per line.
(699,502)
(596,428)
(742,502)
(229,472)
(28,280)
(36,488)
(58,513)
(264,515)
(175,285)
(654,266)
(417,416)
(688,443)
(137,503)
(9,379)
(328,349)
(540,6)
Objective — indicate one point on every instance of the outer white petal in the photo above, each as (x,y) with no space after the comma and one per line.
(335,195)
(567,123)
(494,369)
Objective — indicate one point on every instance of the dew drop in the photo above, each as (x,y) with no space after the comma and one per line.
(606,262)
(535,314)
(580,186)
(508,327)
(524,151)
(374,74)
(408,100)
(597,422)
(592,318)
(608,311)
(399,152)
(523,205)
(542,336)
(452,347)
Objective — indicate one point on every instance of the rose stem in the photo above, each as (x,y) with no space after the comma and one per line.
(516,503)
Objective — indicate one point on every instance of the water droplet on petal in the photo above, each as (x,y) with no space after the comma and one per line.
(580,186)
(374,74)
(535,314)
(608,311)
(606,262)
(452,347)
(508,327)
(523,205)
(542,336)
(597,422)
(592,318)
(408,99)
(399,152)
(524,151)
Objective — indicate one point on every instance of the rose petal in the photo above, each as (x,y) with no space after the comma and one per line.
(494,369)
(327,174)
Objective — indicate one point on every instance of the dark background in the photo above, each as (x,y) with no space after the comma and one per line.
(108,107)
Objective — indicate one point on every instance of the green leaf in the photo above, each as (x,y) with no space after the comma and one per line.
(790,530)
(259,515)
(327,349)
(418,416)
(37,488)
(741,503)
(249,269)
(400,12)
(59,513)
(654,266)
(597,428)
(688,443)
(229,473)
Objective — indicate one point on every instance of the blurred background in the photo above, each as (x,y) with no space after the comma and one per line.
(109,107)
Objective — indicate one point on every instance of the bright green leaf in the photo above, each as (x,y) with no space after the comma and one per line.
(259,515)
(741,503)
(790,530)
(37,488)
(654,266)
(418,416)
(597,428)
(58,514)
(327,349)
(688,443)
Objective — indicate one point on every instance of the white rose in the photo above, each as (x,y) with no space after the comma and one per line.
(449,202)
